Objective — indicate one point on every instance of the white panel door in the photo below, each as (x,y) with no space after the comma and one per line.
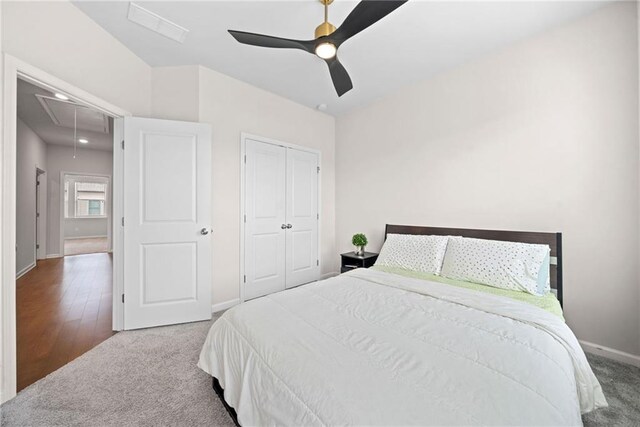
(265,227)
(167,214)
(302,218)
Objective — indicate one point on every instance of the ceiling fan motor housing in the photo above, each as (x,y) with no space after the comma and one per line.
(324,29)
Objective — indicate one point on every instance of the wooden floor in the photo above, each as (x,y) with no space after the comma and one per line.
(87,245)
(63,310)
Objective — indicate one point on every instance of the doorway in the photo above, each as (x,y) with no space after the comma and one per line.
(171,223)
(86,214)
(64,286)
(40,219)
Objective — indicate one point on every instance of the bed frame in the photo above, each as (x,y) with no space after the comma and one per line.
(220,392)
(554,240)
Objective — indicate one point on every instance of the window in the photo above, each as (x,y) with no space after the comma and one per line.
(90,197)
(96,207)
(84,197)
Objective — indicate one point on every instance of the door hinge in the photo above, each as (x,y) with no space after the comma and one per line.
(317,216)
(122,221)
(37,214)
(317,262)
(123,298)
(245,217)
(37,182)
(37,246)
(122,144)
(245,278)
(318,169)
(245,159)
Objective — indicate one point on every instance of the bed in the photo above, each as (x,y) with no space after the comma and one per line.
(388,347)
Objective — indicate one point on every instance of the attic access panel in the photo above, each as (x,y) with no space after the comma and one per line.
(62,114)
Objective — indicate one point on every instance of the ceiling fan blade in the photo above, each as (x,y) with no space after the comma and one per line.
(339,75)
(365,14)
(262,40)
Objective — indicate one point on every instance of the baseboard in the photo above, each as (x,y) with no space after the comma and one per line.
(85,237)
(329,275)
(610,353)
(25,270)
(54,256)
(215,308)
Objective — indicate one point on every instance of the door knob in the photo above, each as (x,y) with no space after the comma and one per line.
(283,226)
(204,231)
(289,226)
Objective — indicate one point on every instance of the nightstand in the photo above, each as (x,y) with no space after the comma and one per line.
(352,261)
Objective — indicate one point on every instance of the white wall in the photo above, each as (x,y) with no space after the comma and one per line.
(102,66)
(60,39)
(31,153)
(60,158)
(541,136)
(175,93)
(233,107)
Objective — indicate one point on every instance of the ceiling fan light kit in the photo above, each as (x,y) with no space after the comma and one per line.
(326,50)
(328,38)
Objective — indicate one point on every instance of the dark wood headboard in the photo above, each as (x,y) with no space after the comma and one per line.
(554,240)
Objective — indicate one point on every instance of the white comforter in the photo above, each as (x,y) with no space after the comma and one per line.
(373,348)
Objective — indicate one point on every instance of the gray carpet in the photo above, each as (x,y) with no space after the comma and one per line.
(135,378)
(621,385)
(149,377)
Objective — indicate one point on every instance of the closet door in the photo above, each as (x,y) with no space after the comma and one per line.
(265,228)
(302,262)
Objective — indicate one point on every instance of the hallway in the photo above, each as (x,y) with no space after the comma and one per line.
(64,308)
(87,245)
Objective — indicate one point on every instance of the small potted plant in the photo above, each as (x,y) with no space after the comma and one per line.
(359,241)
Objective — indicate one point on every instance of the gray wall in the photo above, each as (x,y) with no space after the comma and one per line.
(87,161)
(31,153)
(85,227)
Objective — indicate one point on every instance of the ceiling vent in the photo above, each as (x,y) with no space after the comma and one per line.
(62,113)
(156,23)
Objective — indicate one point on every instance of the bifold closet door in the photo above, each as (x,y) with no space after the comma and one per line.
(302,263)
(265,226)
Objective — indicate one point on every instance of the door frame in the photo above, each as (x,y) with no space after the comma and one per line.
(243,150)
(107,208)
(41,220)
(13,69)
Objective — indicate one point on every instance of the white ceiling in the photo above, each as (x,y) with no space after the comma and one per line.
(418,40)
(90,123)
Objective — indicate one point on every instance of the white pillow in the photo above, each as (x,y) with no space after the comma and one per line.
(413,252)
(507,265)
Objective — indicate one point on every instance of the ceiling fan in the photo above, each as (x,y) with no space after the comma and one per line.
(327,38)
